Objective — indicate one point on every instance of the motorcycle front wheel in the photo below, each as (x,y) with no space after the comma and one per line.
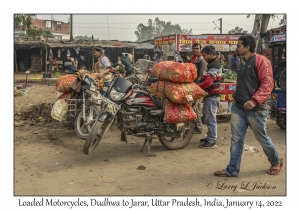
(97,133)
(181,142)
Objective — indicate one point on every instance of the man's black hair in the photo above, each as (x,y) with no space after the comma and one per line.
(248,40)
(98,49)
(209,49)
(196,44)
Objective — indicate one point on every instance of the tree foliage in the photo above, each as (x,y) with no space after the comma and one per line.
(158,28)
(283,20)
(24,22)
(237,30)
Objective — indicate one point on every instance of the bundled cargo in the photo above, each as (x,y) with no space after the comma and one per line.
(100,82)
(180,93)
(175,72)
(178,113)
(64,84)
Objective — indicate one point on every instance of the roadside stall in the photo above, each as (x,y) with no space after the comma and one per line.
(170,45)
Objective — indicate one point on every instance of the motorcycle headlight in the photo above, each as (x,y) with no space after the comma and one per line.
(116,96)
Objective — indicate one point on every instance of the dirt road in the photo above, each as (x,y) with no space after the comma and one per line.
(48,160)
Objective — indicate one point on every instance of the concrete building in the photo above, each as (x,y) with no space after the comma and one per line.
(59,29)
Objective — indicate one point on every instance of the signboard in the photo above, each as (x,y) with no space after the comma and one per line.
(181,42)
(220,42)
(165,43)
(278,38)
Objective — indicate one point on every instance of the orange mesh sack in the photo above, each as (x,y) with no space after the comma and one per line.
(178,113)
(64,84)
(175,72)
(180,93)
(100,82)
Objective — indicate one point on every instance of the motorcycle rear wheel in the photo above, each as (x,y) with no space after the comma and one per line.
(82,128)
(178,143)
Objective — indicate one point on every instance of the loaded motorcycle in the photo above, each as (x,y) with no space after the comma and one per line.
(137,113)
(90,108)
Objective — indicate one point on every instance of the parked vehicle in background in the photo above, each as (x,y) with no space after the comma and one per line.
(278,96)
(278,45)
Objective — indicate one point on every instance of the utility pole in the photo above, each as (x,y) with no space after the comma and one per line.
(220,28)
(220,25)
(108,27)
(71,27)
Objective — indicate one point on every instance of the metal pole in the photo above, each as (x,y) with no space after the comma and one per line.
(71,27)
(46,59)
(220,25)
(108,27)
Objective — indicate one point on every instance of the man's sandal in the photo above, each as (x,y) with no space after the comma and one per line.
(222,173)
(275,170)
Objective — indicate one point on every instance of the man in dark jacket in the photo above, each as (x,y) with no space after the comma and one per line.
(254,84)
(126,62)
(210,82)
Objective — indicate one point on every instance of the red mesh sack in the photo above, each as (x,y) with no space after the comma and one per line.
(64,84)
(175,71)
(180,93)
(178,113)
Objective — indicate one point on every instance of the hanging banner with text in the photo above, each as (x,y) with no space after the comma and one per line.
(180,42)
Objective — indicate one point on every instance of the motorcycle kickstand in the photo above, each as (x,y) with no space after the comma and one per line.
(124,135)
(149,140)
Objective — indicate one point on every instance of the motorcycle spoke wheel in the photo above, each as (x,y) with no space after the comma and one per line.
(93,138)
(180,142)
(83,128)
(97,133)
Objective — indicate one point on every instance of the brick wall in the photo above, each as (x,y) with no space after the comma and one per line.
(65,27)
(39,23)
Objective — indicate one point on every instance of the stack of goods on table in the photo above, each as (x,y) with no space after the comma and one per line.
(229,76)
(176,84)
